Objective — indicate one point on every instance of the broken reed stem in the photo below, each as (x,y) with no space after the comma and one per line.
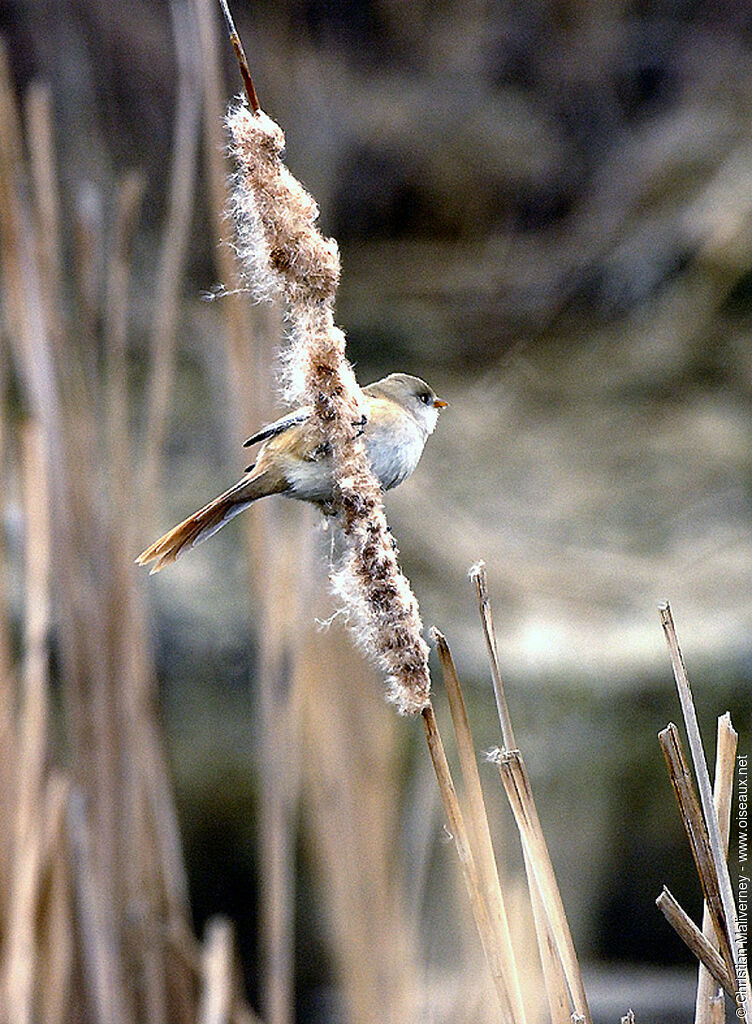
(554,978)
(467,861)
(692,937)
(517,787)
(479,828)
(479,578)
(694,826)
(717,857)
(723,788)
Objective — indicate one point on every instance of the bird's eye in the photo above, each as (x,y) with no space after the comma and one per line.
(425,397)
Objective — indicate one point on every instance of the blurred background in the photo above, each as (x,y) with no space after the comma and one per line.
(544,209)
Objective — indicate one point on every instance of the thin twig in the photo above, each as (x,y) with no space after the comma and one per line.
(691,935)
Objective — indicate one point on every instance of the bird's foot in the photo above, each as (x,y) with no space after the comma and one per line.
(360,426)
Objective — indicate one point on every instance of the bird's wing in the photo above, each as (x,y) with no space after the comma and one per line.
(290,419)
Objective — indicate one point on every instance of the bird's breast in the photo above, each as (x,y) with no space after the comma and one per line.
(394,452)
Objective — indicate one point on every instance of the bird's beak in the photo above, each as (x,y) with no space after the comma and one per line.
(439,403)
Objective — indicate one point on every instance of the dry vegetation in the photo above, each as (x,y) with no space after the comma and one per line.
(95,923)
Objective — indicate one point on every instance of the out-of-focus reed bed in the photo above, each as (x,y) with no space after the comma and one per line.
(94,913)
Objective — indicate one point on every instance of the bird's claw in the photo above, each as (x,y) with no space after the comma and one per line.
(360,426)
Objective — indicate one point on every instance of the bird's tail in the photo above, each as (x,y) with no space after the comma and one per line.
(207,521)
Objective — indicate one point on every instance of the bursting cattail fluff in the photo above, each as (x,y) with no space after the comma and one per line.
(283,254)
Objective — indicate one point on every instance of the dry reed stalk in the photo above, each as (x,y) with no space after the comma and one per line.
(174,242)
(470,871)
(554,977)
(56,939)
(479,578)
(150,870)
(279,764)
(519,793)
(28,333)
(115,811)
(718,860)
(691,935)
(19,976)
(723,788)
(99,954)
(8,738)
(39,118)
(479,828)
(694,826)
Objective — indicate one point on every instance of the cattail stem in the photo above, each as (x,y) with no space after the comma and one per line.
(237,45)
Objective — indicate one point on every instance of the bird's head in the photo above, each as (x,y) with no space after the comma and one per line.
(413,395)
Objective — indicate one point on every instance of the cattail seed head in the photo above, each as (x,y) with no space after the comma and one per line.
(283,254)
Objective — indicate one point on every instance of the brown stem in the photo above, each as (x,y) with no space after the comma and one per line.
(245,73)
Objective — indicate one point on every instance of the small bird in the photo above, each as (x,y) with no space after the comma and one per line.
(400,412)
